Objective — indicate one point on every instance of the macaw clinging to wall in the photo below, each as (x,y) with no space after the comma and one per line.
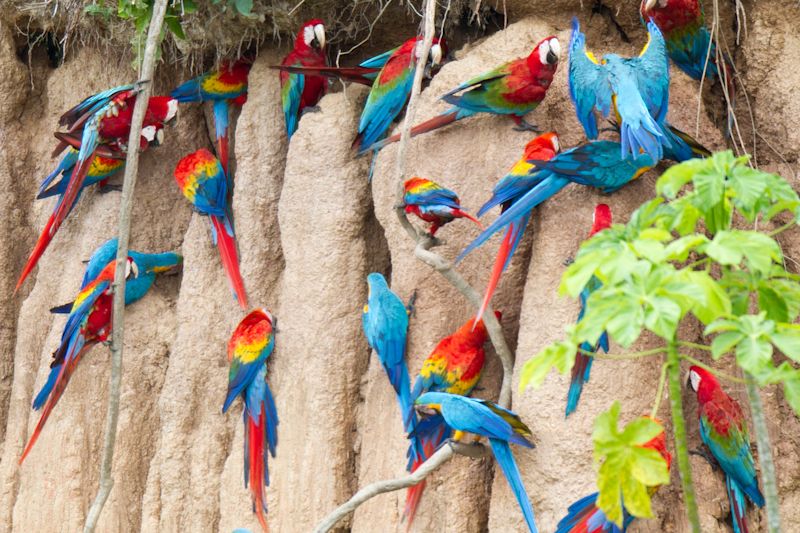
(637,89)
(385,321)
(299,91)
(249,347)
(584,516)
(514,89)
(454,366)
(224,86)
(202,181)
(596,164)
(583,362)
(508,190)
(391,89)
(484,418)
(433,203)
(723,429)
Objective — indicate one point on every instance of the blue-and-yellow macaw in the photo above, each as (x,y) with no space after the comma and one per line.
(484,418)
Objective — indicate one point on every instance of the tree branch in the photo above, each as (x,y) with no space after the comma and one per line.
(118,319)
(768,479)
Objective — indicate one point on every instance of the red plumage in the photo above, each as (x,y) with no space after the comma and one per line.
(305,55)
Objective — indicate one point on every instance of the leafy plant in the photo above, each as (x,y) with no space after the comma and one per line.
(680,256)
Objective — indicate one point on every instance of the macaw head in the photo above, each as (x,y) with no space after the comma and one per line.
(161,110)
(435,56)
(545,55)
(703,382)
(376,283)
(430,403)
(601,219)
(543,147)
(647,5)
(157,263)
(311,35)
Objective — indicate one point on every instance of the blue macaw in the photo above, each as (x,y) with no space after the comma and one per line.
(484,418)
(637,89)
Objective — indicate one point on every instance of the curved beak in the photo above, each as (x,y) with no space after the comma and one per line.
(552,59)
(436,54)
(650,4)
(319,33)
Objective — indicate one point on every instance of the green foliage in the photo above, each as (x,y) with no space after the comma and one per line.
(627,470)
(657,269)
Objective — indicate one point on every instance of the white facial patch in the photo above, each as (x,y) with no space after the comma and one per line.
(556,145)
(544,49)
(694,380)
(308,35)
(149,133)
(172,109)
(418,49)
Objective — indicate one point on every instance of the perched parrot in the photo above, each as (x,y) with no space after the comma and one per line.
(583,362)
(454,366)
(385,321)
(484,418)
(201,179)
(508,190)
(299,91)
(391,89)
(724,430)
(596,164)
(226,85)
(583,516)
(250,345)
(513,89)
(433,203)
(636,88)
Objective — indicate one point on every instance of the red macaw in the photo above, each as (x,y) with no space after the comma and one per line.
(583,362)
(298,91)
(583,516)
(202,181)
(508,190)
(433,203)
(513,89)
(454,366)
(723,429)
(226,85)
(250,345)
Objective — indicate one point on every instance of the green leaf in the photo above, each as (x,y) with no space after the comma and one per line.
(787,339)
(773,304)
(245,7)
(661,317)
(636,498)
(174,25)
(678,250)
(752,353)
(724,343)
(677,176)
(759,250)
(789,290)
(560,355)
(748,186)
(791,389)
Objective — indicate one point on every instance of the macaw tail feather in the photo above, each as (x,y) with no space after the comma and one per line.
(72,192)
(428,435)
(187,92)
(226,243)
(463,214)
(439,121)
(738,506)
(362,75)
(256,475)
(55,388)
(221,131)
(580,375)
(63,309)
(646,138)
(38,250)
(502,452)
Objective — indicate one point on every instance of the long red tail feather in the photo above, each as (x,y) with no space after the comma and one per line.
(464,214)
(73,189)
(230,260)
(413,496)
(497,271)
(439,121)
(354,74)
(222,149)
(41,245)
(256,478)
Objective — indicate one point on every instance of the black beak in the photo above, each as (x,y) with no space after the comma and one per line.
(424,410)
(552,59)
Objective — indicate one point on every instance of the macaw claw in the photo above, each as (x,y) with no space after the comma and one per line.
(410,308)
(712,462)
(522,125)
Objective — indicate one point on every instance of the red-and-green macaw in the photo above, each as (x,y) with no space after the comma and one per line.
(202,181)
(454,366)
(224,86)
(584,516)
(583,362)
(723,429)
(636,89)
(299,91)
(598,164)
(249,347)
(487,419)
(508,190)
(513,89)
(385,322)
(391,89)
(433,203)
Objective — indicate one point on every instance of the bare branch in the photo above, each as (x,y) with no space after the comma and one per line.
(118,319)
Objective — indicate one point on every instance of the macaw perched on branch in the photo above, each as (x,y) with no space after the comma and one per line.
(636,88)
(303,91)
(598,164)
(454,366)
(391,89)
(508,190)
(515,89)
(723,429)
(484,418)
(385,321)
(433,203)
(583,362)
(89,323)
(202,181)
(250,345)
(224,86)
(584,516)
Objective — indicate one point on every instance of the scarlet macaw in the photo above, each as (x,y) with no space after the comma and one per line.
(223,86)
(250,345)
(583,362)
(484,418)
(202,181)
(515,89)
(583,516)
(724,430)
(433,203)
(508,190)
(454,366)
